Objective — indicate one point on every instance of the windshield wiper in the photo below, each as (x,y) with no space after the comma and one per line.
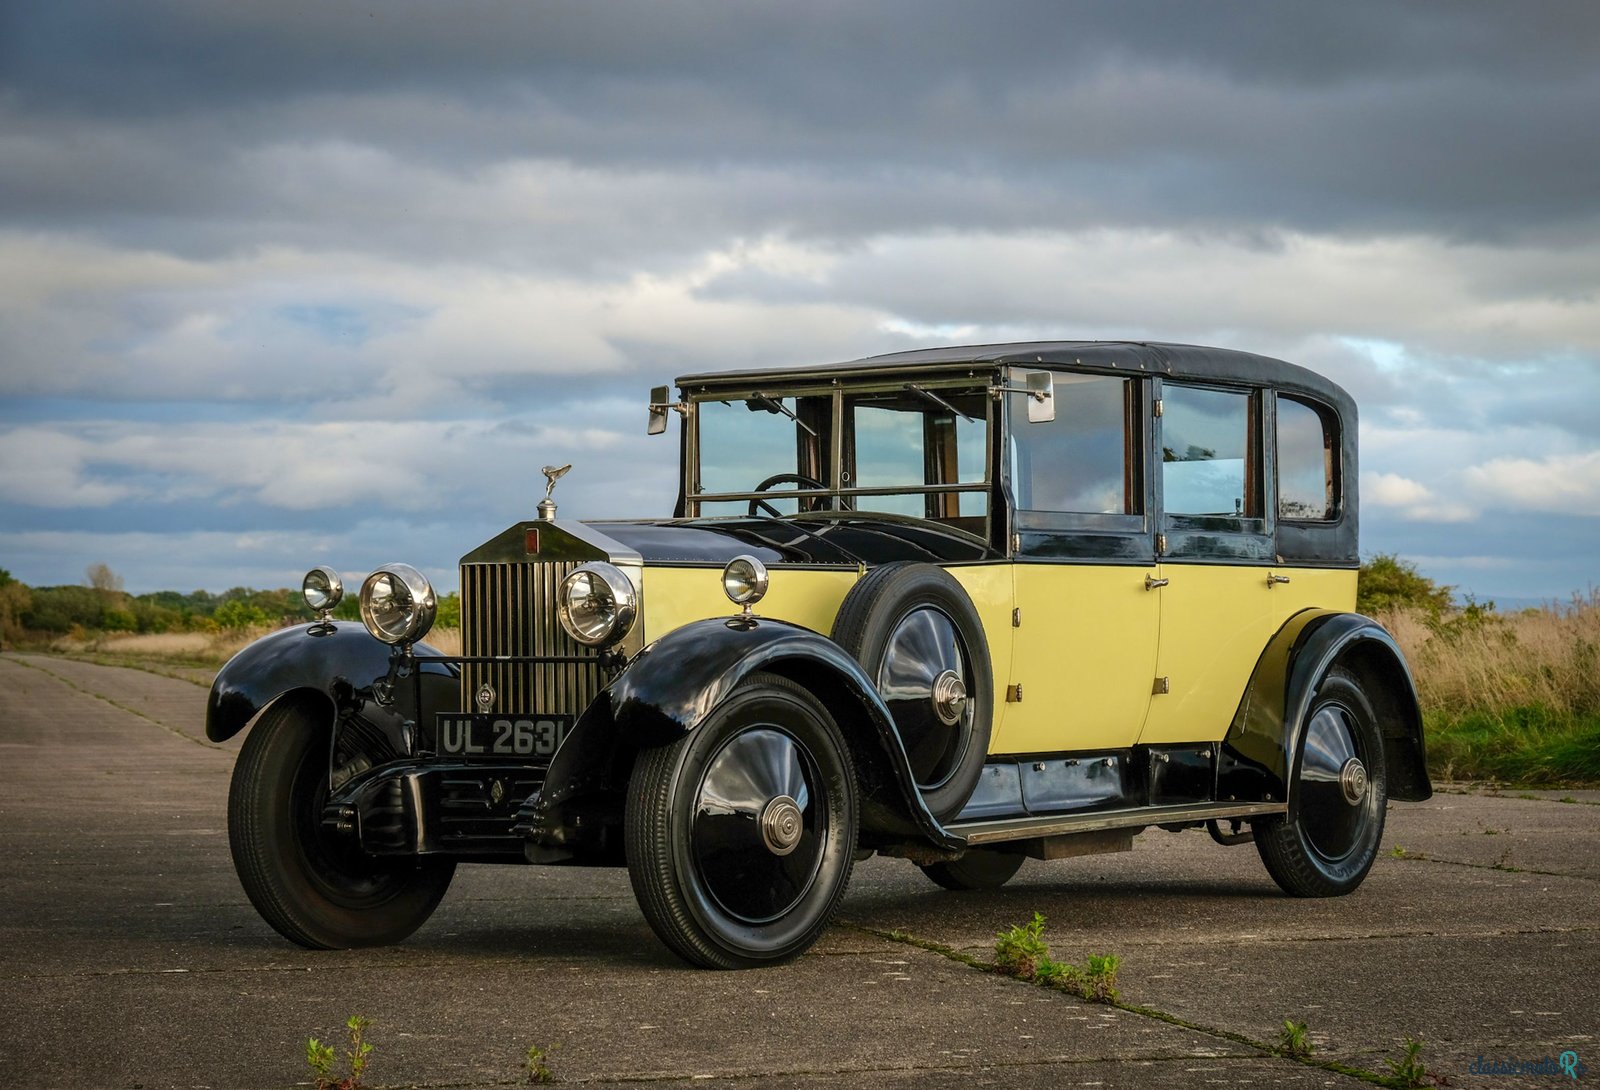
(782,408)
(939,401)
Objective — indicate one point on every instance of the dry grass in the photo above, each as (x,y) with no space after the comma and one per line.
(1512,697)
(198,648)
(1542,657)
(181,648)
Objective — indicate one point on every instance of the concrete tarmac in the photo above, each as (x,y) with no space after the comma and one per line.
(131,960)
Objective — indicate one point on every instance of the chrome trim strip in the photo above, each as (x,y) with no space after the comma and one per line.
(1026,828)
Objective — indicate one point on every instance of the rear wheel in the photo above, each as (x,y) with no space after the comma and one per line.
(315,889)
(741,835)
(1340,780)
(978,869)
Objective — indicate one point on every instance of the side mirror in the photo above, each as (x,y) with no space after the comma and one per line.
(659,405)
(1041,397)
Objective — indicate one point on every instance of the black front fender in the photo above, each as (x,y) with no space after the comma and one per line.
(673,685)
(1258,753)
(340,661)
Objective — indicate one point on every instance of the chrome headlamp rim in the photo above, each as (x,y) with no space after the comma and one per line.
(398,604)
(745,580)
(322,589)
(597,620)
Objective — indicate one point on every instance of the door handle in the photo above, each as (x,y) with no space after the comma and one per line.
(1151,583)
(1274,580)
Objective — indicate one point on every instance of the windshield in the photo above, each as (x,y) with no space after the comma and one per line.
(773,454)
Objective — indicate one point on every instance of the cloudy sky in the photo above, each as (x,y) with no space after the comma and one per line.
(298,283)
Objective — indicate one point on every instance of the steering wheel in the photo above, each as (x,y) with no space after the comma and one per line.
(785,478)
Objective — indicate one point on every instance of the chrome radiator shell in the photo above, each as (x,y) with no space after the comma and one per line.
(510,609)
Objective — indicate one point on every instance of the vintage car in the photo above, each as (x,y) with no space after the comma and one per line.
(987,603)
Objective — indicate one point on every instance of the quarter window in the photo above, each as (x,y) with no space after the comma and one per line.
(1085,460)
(1208,468)
(1307,462)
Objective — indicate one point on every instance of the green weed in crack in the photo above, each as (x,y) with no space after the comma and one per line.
(1409,1072)
(1293,1041)
(1021,952)
(321,1057)
(537,1067)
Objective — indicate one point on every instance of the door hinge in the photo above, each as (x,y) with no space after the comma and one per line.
(1016,543)
(1159,406)
(1014,693)
(1162,686)
(1161,544)
(1016,617)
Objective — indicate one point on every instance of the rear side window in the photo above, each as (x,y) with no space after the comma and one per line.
(1083,461)
(1207,454)
(1308,462)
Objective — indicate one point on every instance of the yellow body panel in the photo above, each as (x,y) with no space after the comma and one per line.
(1084,656)
(1092,643)
(1312,588)
(989,587)
(1215,621)
(675,596)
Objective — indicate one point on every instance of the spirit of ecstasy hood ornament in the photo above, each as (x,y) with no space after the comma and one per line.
(552,474)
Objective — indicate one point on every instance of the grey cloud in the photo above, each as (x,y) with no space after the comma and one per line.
(888,116)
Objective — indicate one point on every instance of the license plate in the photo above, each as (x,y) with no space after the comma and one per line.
(515,736)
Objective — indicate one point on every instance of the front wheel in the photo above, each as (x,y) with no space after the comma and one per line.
(1326,849)
(742,833)
(315,889)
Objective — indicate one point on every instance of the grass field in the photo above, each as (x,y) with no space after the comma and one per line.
(1511,698)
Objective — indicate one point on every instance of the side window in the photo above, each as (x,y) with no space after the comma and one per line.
(1209,465)
(1085,461)
(1308,462)
(902,441)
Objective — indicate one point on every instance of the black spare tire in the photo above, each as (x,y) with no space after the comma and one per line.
(918,637)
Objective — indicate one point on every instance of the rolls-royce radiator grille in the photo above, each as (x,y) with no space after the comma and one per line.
(510,609)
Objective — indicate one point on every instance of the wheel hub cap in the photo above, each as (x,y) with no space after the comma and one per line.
(781,825)
(949,697)
(1353,781)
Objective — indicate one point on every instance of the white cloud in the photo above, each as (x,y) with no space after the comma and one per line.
(1563,484)
(1411,499)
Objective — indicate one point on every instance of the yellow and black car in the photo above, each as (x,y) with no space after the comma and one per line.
(987,603)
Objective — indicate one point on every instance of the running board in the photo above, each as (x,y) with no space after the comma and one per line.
(1027,828)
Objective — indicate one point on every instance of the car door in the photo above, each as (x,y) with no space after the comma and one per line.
(1217,608)
(1084,644)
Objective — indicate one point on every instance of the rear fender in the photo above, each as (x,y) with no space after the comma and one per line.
(339,662)
(674,685)
(1258,753)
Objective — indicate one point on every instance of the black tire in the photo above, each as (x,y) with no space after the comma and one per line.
(907,624)
(977,870)
(1329,847)
(708,879)
(313,888)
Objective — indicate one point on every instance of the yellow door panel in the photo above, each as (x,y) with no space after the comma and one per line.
(1084,656)
(989,587)
(1215,621)
(1311,588)
(675,596)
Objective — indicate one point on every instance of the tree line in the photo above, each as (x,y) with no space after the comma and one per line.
(101,605)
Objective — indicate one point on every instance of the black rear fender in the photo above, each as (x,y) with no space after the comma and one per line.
(1258,752)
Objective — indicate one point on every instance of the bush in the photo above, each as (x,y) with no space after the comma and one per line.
(1387,583)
